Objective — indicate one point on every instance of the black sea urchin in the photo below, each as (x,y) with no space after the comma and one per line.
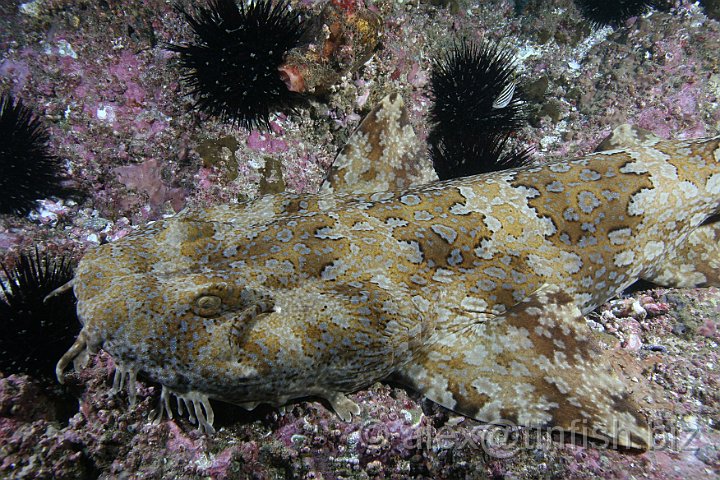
(476,106)
(36,333)
(28,171)
(459,158)
(612,12)
(467,82)
(232,69)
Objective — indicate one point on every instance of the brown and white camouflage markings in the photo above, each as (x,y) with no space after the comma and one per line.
(471,291)
(383,154)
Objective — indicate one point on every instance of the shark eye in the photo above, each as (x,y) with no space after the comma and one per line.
(208,305)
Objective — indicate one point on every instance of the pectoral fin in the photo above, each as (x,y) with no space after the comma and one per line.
(535,366)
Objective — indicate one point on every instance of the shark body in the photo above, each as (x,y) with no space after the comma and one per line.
(471,291)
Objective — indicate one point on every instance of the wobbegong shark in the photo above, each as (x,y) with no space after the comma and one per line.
(471,291)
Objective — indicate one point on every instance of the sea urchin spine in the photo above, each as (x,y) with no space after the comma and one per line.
(476,106)
(613,12)
(35,332)
(29,171)
(232,69)
(467,82)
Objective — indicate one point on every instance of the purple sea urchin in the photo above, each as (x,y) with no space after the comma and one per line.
(36,333)
(476,106)
(29,171)
(232,69)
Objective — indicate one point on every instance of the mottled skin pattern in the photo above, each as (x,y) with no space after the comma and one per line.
(471,290)
(383,154)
